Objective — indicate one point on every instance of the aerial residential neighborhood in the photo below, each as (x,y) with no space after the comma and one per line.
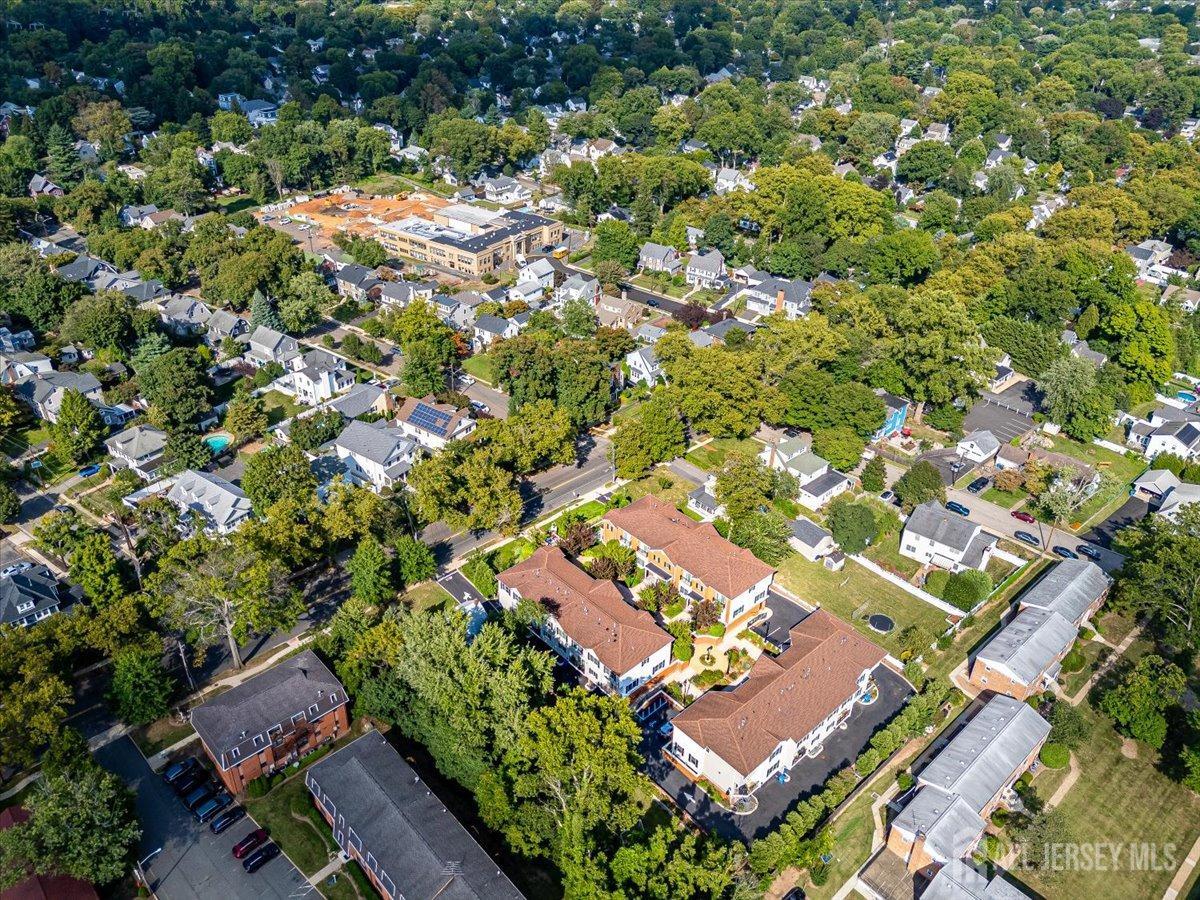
(630,450)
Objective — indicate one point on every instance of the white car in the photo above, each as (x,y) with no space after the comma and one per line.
(480,407)
(15,568)
(467,380)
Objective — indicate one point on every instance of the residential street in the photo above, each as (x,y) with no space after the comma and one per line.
(998,520)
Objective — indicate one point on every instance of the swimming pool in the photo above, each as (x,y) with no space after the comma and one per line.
(1186,396)
(218,442)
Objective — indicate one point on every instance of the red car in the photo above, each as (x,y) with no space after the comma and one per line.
(1022,516)
(249,843)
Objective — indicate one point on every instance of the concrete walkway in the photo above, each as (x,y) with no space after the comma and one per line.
(1185,872)
(21,785)
(334,865)
(1106,667)
(1065,787)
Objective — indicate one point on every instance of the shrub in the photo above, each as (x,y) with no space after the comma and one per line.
(1086,634)
(479,572)
(965,589)
(867,762)
(1074,661)
(673,609)
(682,648)
(905,781)
(1068,726)
(1055,756)
(708,678)
(1026,779)
(819,874)
(935,583)
(944,642)
(717,630)
(999,817)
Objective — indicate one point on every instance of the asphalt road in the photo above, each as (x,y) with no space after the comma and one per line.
(998,520)
(193,863)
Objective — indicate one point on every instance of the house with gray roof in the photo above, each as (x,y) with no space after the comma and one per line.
(489,329)
(1080,349)
(965,782)
(43,392)
(225,324)
(318,376)
(706,270)
(1074,588)
(29,596)
(16,341)
(402,293)
(183,315)
(139,448)
(956,880)
(83,269)
(1025,656)
(376,454)
(979,446)
(21,364)
(388,820)
(937,537)
(272,719)
(771,294)
(644,367)
(355,281)
(809,539)
(658,258)
(794,455)
(816,492)
(270,346)
(213,504)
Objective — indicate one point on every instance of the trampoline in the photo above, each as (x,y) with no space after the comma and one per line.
(880,623)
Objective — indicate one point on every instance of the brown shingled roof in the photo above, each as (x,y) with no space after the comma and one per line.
(592,612)
(784,697)
(695,546)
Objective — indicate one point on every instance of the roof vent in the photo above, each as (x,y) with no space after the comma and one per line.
(807,671)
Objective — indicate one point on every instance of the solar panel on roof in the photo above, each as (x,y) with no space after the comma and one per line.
(434,420)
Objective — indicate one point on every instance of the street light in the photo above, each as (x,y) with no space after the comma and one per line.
(141,868)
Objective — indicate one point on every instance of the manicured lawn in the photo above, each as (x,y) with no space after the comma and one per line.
(1114,626)
(661,483)
(1118,800)
(1095,653)
(279,407)
(307,839)
(1007,499)
(856,590)
(662,286)
(426,596)
(1123,470)
(160,735)
(591,510)
(480,367)
(712,455)
(886,553)
(999,569)
(19,440)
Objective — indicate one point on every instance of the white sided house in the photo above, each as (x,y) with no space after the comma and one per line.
(934,536)
(616,646)
(431,424)
(375,455)
(782,713)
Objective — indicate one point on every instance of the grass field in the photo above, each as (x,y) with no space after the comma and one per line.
(480,367)
(661,286)
(712,455)
(1007,499)
(426,596)
(279,407)
(306,840)
(1123,470)
(1120,800)
(886,552)
(844,592)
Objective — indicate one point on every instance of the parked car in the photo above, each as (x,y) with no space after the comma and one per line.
(227,819)
(260,857)
(888,496)
(15,569)
(250,843)
(1022,517)
(189,782)
(479,406)
(89,471)
(178,770)
(212,806)
(1065,553)
(977,486)
(956,507)
(652,303)
(468,380)
(1089,551)
(1026,538)
(65,508)
(199,795)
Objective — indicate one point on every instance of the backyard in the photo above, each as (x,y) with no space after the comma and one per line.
(425,596)
(856,590)
(279,406)
(480,367)
(660,284)
(1124,802)
(712,455)
(1110,496)
(886,553)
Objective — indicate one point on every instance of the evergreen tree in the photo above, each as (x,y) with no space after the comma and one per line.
(263,312)
(63,163)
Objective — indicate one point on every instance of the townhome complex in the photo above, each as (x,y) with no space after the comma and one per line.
(1025,656)
(271,720)
(387,820)
(788,705)
(588,622)
(692,556)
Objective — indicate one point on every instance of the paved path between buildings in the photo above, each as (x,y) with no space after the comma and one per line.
(334,865)
(1106,667)
(1065,787)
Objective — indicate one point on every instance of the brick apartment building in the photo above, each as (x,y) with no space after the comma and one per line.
(272,719)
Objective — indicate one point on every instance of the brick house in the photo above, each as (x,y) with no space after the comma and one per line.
(271,720)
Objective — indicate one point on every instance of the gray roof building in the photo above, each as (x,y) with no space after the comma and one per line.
(1029,646)
(958,881)
(221,505)
(29,596)
(237,724)
(413,846)
(1070,589)
(808,532)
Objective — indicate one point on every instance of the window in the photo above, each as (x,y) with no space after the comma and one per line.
(312,710)
(259,740)
(659,666)
(235,753)
(776,752)
(25,606)
(333,698)
(692,761)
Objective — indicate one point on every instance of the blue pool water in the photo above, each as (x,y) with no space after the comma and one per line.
(1186,396)
(217,442)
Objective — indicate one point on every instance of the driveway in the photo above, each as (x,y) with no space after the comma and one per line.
(998,520)
(785,615)
(194,864)
(776,800)
(1130,513)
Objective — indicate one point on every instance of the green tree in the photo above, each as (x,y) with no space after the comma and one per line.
(246,416)
(1160,578)
(1075,399)
(840,445)
(10,504)
(466,489)
(920,484)
(310,432)
(300,308)
(263,312)
(654,435)
(415,561)
(1140,697)
(64,165)
(874,475)
(853,526)
(370,571)
(578,317)
(79,429)
(176,385)
(276,473)
(95,567)
(141,688)
(618,242)
(81,824)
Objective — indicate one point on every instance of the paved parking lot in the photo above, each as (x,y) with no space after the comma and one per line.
(194,864)
(776,800)
(785,615)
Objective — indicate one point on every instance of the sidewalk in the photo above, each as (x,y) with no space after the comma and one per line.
(1104,669)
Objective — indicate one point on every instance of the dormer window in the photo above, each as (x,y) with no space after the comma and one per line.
(25,606)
